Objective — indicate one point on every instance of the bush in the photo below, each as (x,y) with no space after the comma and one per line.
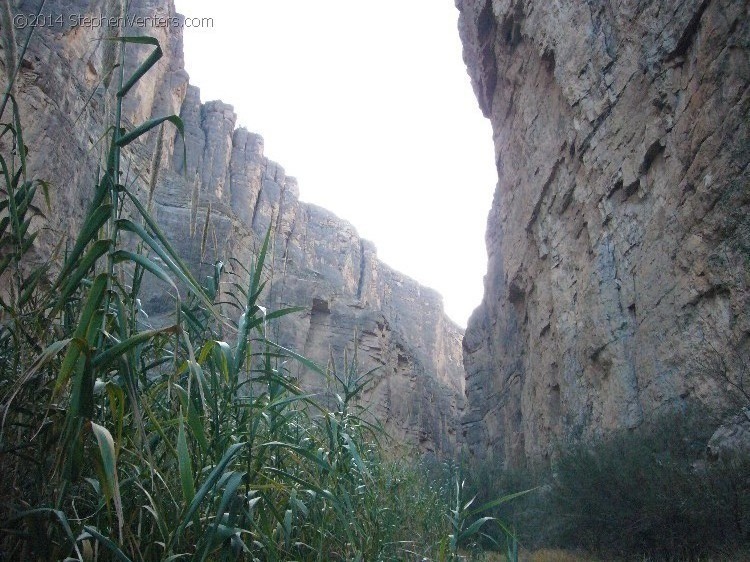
(649,493)
(524,515)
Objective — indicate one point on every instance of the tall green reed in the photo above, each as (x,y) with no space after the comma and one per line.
(131,441)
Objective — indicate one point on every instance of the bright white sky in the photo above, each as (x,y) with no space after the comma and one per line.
(369,106)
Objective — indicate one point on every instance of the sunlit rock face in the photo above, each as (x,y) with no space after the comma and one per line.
(318,260)
(619,235)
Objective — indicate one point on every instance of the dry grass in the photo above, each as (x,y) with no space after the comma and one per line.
(557,555)
(552,555)
(543,555)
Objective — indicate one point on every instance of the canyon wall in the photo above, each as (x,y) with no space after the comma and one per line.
(619,235)
(317,261)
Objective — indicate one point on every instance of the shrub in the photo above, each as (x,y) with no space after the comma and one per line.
(646,492)
(526,516)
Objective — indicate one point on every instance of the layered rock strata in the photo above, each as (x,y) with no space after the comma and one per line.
(619,235)
(318,260)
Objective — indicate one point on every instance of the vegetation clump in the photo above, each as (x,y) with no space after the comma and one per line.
(649,493)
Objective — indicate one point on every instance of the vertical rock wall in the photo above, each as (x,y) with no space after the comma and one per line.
(318,260)
(619,235)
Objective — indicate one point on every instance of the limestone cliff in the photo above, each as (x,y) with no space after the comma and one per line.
(619,235)
(318,260)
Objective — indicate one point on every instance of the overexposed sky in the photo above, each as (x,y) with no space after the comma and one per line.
(369,106)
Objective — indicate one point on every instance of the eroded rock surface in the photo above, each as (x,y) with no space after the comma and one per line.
(731,439)
(619,235)
(318,260)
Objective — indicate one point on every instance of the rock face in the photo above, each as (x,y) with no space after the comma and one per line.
(619,235)
(318,260)
(731,439)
